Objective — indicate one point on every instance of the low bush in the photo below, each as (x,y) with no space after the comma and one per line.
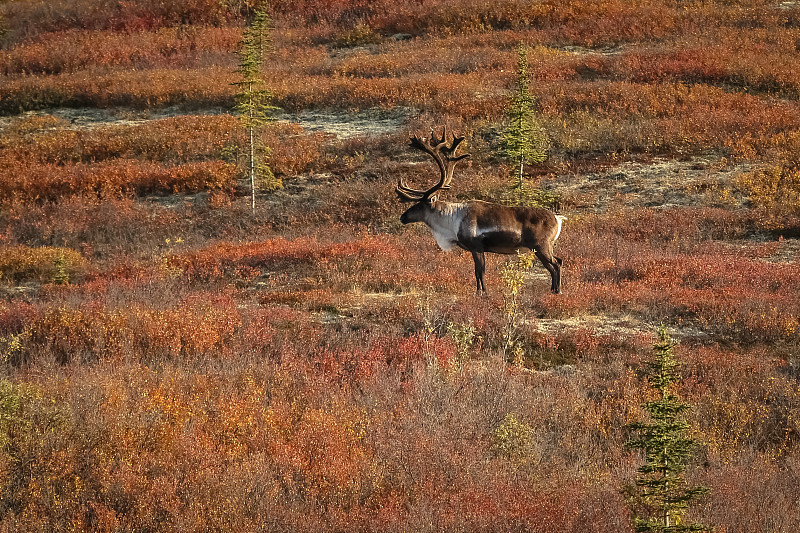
(776,187)
(43,263)
(77,49)
(112,179)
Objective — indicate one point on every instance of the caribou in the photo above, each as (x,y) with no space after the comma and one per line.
(477,226)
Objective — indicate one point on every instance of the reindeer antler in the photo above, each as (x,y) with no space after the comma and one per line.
(445,158)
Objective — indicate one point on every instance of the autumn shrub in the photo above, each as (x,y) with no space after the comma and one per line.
(737,481)
(43,163)
(723,301)
(112,179)
(736,59)
(191,327)
(776,187)
(449,93)
(196,327)
(661,118)
(593,24)
(737,290)
(34,18)
(195,89)
(27,410)
(174,139)
(75,50)
(361,34)
(682,227)
(24,263)
(405,448)
(511,439)
(102,229)
(730,425)
(375,263)
(435,54)
(293,150)
(26,126)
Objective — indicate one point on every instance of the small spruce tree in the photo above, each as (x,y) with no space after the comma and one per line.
(524,140)
(60,269)
(667,449)
(253,100)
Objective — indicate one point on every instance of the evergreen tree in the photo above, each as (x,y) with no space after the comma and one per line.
(524,140)
(253,100)
(61,269)
(667,449)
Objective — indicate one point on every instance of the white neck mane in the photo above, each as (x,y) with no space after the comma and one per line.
(444,220)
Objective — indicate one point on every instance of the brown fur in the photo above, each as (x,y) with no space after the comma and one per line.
(480,227)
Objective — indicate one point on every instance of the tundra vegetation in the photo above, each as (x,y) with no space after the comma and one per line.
(170,359)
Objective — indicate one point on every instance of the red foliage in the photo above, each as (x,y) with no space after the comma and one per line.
(224,258)
(75,50)
(112,179)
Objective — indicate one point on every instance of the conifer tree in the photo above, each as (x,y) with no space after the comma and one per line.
(253,100)
(524,140)
(667,449)
(61,269)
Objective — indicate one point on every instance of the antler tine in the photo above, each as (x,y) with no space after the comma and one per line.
(440,144)
(402,187)
(448,153)
(404,194)
(407,194)
(433,149)
(450,150)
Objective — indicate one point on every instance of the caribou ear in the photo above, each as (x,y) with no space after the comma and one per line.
(434,198)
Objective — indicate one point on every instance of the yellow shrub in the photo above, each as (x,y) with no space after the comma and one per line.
(774,187)
(44,263)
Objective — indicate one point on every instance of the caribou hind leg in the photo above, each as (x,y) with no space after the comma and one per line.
(480,268)
(553,266)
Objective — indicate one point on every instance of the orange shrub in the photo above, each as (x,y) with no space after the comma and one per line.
(195,328)
(41,146)
(75,50)
(664,117)
(111,179)
(292,150)
(200,88)
(39,16)
(223,259)
(173,139)
(198,325)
